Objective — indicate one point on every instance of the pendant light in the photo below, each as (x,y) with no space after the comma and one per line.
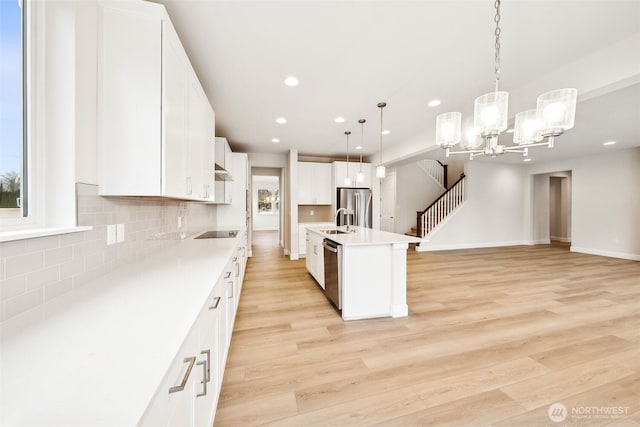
(347,179)
(360,176)
(554,114)
(380,170)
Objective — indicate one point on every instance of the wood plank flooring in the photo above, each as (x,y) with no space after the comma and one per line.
(493,337)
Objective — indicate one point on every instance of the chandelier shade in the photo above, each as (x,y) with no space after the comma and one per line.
(490,113)
(556,111)
(448,129)
(526,129)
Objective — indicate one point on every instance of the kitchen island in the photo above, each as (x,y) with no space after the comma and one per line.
(372,272)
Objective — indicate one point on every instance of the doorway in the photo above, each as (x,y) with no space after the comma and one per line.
(388,203)
(267,202)
(551,220)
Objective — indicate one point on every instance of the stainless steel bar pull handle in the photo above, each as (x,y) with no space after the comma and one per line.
(227,275)
(230,289)
(215,304)
(204,380)
(208,371)
(331,249)
(237,269)
(185,378)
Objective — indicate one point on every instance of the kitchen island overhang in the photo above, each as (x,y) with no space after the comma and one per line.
(373,271)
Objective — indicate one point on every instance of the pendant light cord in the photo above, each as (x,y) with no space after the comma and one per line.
(381,105)
(362,122)
(496,33)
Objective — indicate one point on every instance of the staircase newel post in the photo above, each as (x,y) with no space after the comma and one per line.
(419,224)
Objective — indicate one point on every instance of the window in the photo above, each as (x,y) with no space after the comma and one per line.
(268,202)
(13,138)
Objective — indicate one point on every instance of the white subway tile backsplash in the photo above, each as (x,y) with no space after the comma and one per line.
(41,278)
(58,256)
(23,302)
(13,287)
(43,243)
(34,271)
(15,248)
(71,268)
(22,264)
(71,239)
(57,288)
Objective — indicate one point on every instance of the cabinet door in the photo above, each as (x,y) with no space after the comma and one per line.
(129,102)
(308,250)
(322,183)
(196,122)
(172,404)
(228,185)
(174,115)
(305,183)
(207,378)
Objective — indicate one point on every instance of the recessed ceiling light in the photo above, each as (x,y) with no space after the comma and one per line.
(509,130)
(275,140)
(359,147)
(281,120)
(609,143)
(434,103)
(386,132)
(291,81)
(339,120)
(527,160)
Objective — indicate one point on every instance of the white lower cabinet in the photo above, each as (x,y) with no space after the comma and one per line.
(315,257)
(188,394)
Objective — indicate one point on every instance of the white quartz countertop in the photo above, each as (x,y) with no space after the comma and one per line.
(363,236)
(96,356)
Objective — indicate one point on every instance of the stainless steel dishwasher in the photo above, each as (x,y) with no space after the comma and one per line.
(333,272)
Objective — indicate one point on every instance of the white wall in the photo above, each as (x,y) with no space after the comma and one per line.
(495,211)
(510,205)
(415,191)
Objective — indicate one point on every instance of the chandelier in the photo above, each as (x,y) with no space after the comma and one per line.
(554,114)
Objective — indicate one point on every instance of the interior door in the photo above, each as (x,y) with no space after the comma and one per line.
(388,202)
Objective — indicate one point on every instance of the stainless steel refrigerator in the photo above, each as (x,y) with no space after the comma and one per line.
(357,203)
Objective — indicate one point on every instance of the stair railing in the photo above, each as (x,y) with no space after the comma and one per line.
(429,218)
(435,169)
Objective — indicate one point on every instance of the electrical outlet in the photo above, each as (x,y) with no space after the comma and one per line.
(120,233)
(111,234)
(311,212)
(179,222)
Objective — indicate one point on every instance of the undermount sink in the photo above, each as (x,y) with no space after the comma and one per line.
(334,231)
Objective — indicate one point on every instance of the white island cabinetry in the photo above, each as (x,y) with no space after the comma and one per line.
(373,271)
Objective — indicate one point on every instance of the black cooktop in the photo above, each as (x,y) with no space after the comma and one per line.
(218,234)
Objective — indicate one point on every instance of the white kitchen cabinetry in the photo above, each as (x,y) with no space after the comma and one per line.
(340,173)
(155,124)
(188,395)
(224,180)
(302,234)
(314,183)
(315,257)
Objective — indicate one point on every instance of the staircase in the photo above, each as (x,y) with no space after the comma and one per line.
(436,170)
(428,219)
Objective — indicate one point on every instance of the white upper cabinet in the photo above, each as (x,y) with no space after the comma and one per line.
(340,170)
(224,180)
(155,124)
(314,183)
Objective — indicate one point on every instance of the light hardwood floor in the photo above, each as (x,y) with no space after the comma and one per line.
(493,337)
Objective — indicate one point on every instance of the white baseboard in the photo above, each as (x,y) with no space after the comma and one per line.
(541,242)
(285,251)
(560,239)
(610,254)
(399,310)
(426,247)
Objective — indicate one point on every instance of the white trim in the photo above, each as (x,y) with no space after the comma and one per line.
(540,242)
(429,248)
(610,254)
(9,236)
(399,310)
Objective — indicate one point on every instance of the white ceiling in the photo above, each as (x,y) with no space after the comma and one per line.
(349,55)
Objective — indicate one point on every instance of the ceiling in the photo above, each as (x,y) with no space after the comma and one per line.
(349,55)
